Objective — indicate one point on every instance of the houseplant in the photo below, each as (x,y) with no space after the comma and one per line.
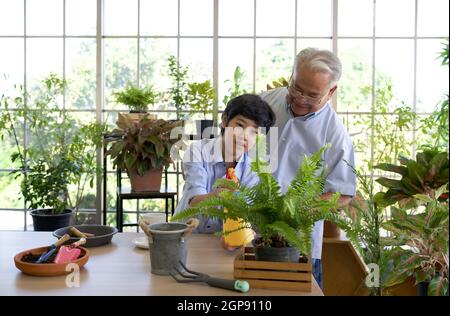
(201,97)
(137,100)
(420,245)
(143,148)
(284,221)
(178,92)
(59,160)
(419,220)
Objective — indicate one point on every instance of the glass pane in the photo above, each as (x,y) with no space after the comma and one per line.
(11,17)
(120,67)
(196,17)
(10,191)
(274,59)
(310,12)
(395,18)
(11,62)
(231,11)
(394,62)
(432,18)
(432,78)
(275,18)
(45,17)
(354,89)
(80,73)
(11,220)
(153,62)
(159,17)
(355,17)
(229,59)
(44,55)
(303,43)
(81,17)
(197,54)
(121,17)
(8,147)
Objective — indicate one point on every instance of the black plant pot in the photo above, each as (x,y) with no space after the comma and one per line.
(422,288)
(205,124)
(45,220)
(284,254)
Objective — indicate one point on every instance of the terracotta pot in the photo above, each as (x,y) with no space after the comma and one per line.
(150,181)
(47,269)
(134,117)
(330,230)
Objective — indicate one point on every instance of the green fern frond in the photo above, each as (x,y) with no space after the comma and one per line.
(290,234)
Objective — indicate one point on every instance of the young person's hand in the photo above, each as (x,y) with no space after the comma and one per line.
(228,247)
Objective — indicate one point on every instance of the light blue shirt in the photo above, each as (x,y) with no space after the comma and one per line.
(307,134)
(203,164)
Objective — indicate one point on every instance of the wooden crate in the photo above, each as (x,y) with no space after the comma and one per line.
(272,275)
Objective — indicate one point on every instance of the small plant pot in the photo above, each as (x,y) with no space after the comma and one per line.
(206,125)
(422,288)
(330,230)
(274,254)
(149,182)
(45,220)
(134,117)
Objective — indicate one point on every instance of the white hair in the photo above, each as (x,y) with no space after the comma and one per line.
(319,60)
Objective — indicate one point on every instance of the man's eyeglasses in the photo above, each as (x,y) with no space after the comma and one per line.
(297,94)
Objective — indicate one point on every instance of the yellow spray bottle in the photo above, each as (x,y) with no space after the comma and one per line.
(241,237)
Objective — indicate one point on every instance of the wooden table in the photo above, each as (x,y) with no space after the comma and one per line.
(122,269)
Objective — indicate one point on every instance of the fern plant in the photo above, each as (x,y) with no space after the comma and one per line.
(281,219)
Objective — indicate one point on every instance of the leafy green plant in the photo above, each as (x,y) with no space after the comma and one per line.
(420,244)
(201,97)
(365,218)
(279,83)
(178,92)
(281,219)
(60,152)
(137,99)
(423,176)
(236,88)
(437,124)
(142,145)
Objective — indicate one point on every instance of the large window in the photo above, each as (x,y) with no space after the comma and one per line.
(388,49)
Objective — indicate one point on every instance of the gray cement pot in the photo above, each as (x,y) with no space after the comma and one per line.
(167,245)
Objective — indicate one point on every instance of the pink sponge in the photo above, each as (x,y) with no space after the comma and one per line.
(67,254)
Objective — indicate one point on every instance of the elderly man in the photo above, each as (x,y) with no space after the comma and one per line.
(306,122)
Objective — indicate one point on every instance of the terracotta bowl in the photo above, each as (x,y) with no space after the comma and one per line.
(47,269)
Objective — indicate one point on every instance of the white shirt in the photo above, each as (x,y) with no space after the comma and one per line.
(306,135)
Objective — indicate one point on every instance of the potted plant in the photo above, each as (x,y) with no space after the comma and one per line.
(143,149)
(284,222)
(419,220)
(201,98)
(137,100)
(59,160)
(190,98)
(420,245)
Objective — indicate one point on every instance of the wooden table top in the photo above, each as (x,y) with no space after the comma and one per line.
(120,268)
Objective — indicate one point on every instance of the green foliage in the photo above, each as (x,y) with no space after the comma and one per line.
(423,176)
(142,145)
(236,88)
(280,82)
(390,132)
(60,152)
(420,245)
(178,92)
(437,124)
(201,97)
(289,216)
(364,219)
(137,99)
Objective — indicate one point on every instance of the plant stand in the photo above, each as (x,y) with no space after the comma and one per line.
(290,276)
